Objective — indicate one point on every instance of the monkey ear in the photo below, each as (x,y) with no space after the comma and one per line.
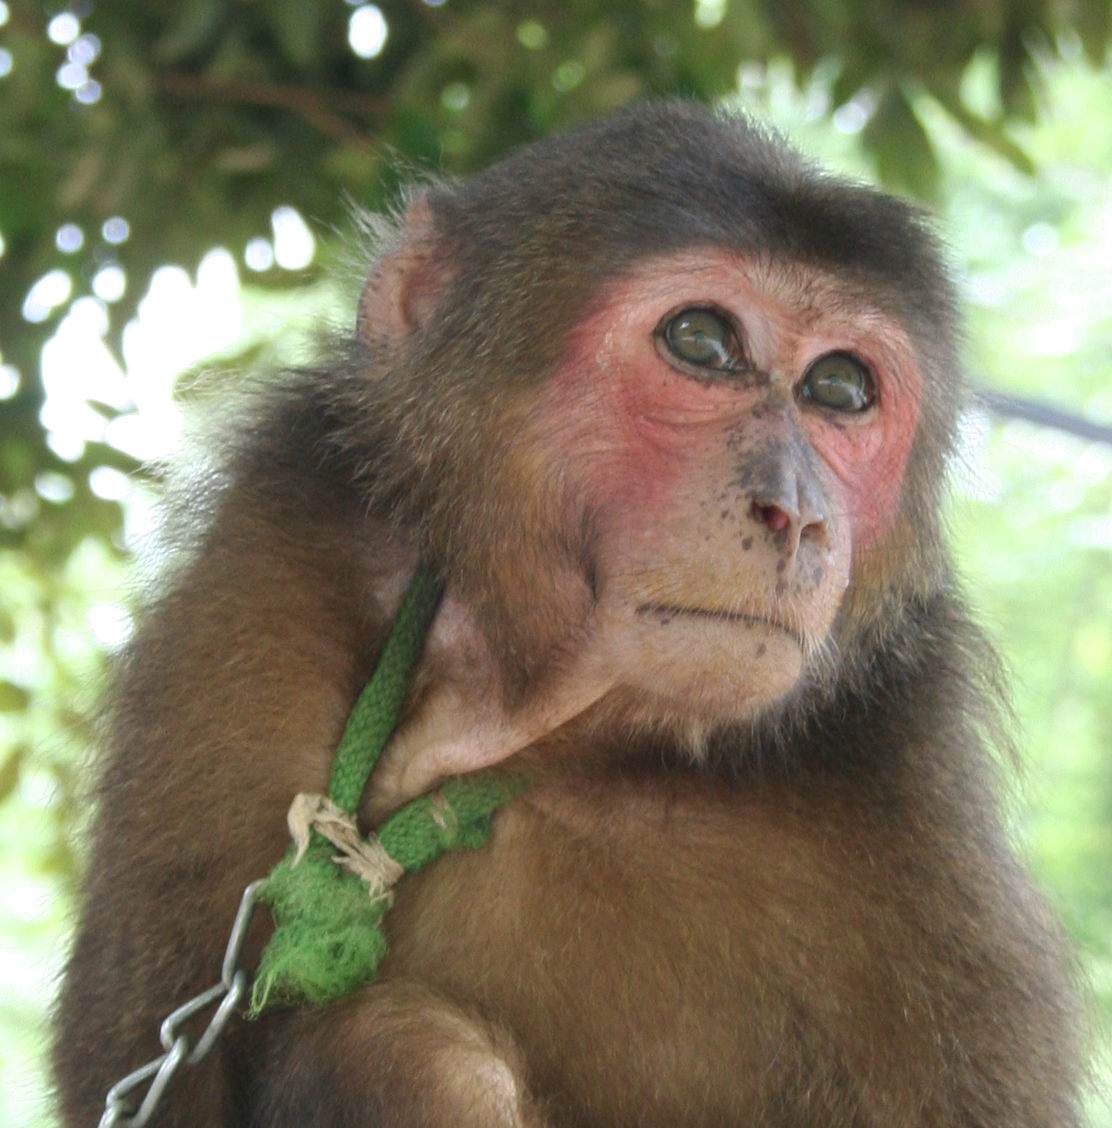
(404,287)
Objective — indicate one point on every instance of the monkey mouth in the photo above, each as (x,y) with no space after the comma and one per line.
(664,613)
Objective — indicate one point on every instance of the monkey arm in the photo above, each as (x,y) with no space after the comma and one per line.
(422,1061)
(229,700)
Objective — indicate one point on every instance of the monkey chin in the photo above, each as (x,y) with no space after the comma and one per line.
(710,666)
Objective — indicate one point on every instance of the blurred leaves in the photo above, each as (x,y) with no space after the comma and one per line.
(216,112)
(197,118)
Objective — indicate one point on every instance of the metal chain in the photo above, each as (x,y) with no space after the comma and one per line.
(120,1104)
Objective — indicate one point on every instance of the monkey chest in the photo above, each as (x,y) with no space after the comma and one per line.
(726,970)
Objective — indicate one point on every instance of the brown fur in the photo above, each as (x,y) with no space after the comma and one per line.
(816,920)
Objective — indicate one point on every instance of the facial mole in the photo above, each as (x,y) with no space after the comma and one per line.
(747,543)
(762,650)
(779,540)
(781,565)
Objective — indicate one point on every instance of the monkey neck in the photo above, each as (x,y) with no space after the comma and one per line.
(579,723)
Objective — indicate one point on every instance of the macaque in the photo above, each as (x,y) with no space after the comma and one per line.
(669,409)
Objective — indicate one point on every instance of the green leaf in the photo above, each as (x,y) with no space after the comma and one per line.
(195,26)
(13,698)
(1017,93)
(299,29)
(1094,26)
(904,154)
(9,773)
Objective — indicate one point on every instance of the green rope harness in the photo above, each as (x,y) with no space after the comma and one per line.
(328,937)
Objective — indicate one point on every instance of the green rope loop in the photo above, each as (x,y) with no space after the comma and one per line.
(328,937)
(375,714)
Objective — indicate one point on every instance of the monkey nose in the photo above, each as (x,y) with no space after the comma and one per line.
(794,518)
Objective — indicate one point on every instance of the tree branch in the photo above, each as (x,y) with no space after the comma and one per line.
(318,107)
(1007,406)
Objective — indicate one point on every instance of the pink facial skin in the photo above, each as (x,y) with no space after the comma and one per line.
(641,425)
(704,608)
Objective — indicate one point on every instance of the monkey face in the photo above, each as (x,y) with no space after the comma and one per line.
(661,508)
(737,433)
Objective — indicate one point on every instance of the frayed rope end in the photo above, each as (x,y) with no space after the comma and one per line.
(328,939)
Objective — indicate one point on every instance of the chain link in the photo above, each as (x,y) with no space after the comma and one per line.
(120,1105)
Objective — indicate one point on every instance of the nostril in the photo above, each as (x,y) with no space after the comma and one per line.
(814,531)
(771,515)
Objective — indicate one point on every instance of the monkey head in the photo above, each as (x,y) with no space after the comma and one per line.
(666,412)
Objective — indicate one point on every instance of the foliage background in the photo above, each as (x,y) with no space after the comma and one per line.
(248,124)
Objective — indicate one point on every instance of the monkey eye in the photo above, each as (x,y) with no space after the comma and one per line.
(703,338)
(840,382)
